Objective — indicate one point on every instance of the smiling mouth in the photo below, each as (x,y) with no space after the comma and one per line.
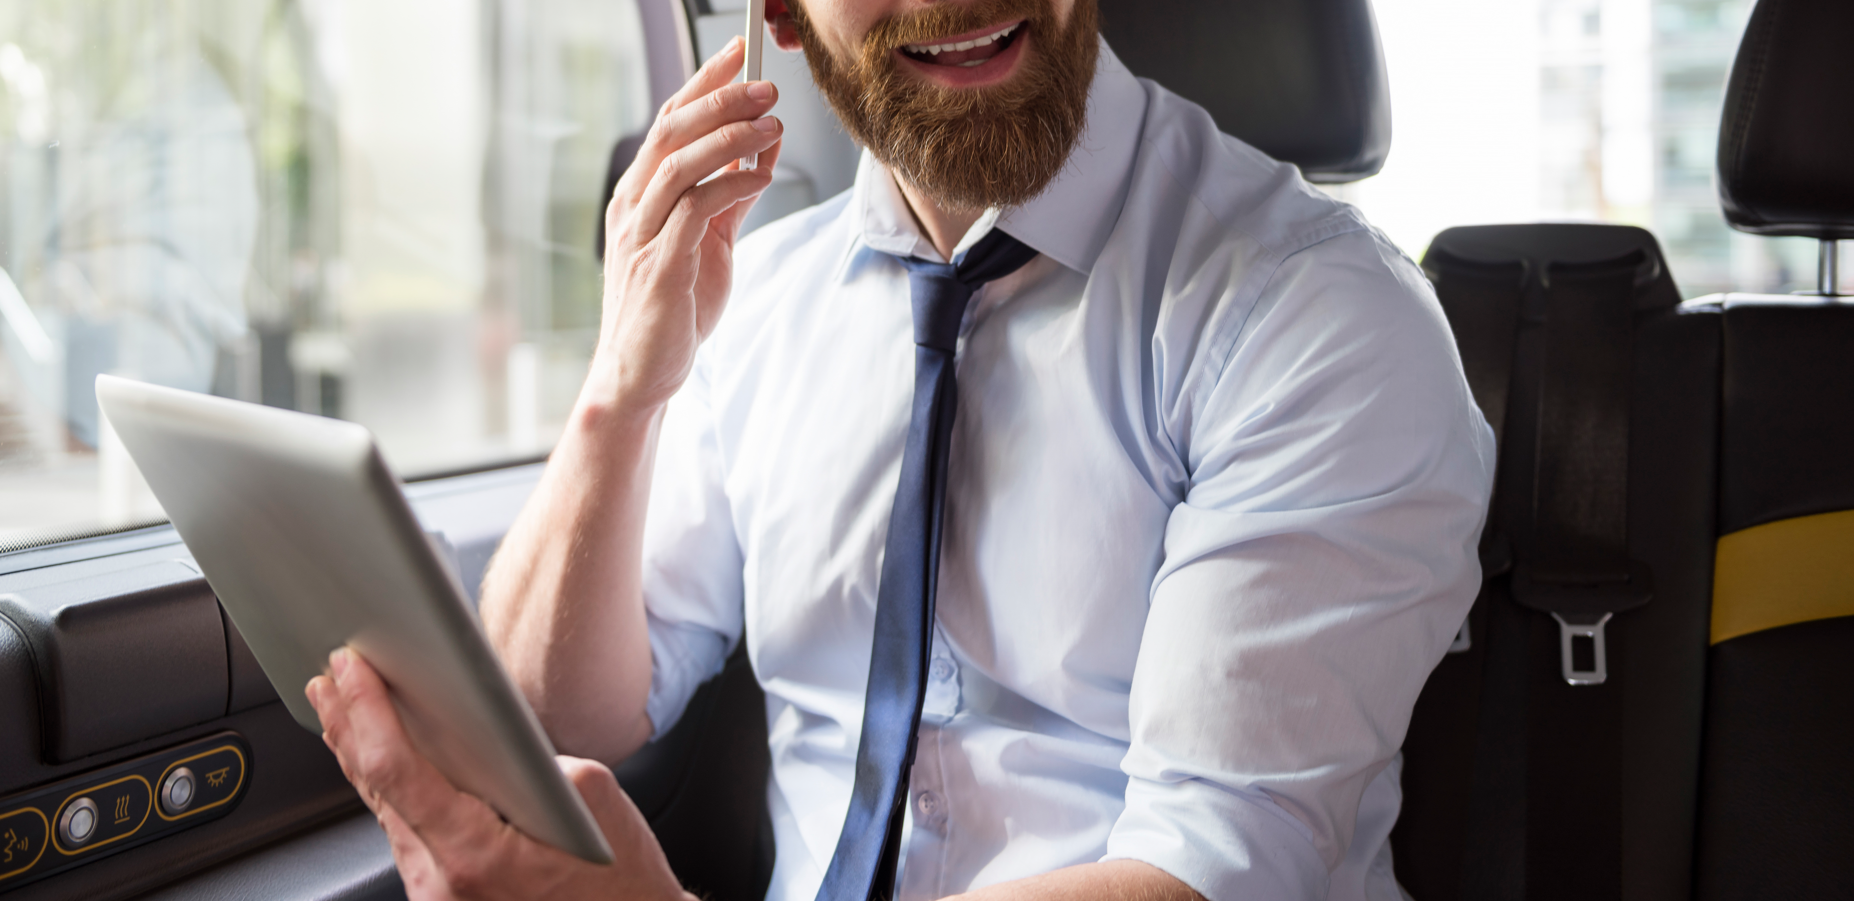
(967,53)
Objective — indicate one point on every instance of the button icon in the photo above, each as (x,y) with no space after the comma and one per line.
(78,823)
(13,843)
(216,778)
(177,790)
(24,834)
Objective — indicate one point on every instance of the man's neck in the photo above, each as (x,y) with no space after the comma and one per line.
(944,227)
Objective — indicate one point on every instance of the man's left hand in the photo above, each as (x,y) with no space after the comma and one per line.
(448,844)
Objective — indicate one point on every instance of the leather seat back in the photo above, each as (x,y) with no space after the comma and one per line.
(1516,783)
(702,788)
(1777,781)
(1301,80)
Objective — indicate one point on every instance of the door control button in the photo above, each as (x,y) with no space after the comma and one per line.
(78,823)
(177,791)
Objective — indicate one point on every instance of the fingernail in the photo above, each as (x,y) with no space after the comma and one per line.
(760,90)
(338,662)
(314,692)
(766,123)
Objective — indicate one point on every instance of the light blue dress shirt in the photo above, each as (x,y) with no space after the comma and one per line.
(1216,483)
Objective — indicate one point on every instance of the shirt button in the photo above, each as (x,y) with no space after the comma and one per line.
(942,669)
(929,804)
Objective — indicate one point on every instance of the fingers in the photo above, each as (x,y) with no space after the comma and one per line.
(704,106)
(686,168)
(688,223)
(333,711)
(416,868)
(725,105)
(610,806)
(379,759)
(728,223)
(717,71)
(634,847)
(668,133)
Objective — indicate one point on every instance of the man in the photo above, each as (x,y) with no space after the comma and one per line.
(1144,618)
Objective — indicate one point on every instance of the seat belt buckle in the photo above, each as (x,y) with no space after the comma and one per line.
(1464,640)
(1581,647)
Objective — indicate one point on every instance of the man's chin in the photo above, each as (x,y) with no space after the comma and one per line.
(992,72)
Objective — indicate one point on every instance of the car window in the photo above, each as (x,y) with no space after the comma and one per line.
(377,210)
(383,210)
(1569,110)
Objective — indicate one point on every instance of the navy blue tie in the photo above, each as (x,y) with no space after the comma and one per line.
(863,867)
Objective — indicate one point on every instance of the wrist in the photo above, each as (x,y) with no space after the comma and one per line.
(612,413)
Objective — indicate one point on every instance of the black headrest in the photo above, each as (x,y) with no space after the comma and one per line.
(1302,80)
(1786,145)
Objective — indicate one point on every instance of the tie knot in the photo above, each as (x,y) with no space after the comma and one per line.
(939,304)
(942,290)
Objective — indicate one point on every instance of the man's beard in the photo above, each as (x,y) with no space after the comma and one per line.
(966,148)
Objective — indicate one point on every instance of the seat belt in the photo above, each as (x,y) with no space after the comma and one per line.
(1545,810)
(1575,564)
(1481,300)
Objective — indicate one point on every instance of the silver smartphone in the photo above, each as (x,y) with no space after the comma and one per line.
(756,57)
(305,536)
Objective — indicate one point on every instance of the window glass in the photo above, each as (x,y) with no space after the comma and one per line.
(1570,110)
(381,210)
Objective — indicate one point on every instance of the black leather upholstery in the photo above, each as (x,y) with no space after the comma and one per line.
(702,786)
(345,860)
(1483,781)
(1788,447)
(1785,165)
(623,154)
(1778,781)
(1777,784)
(115,667)
(1302,80)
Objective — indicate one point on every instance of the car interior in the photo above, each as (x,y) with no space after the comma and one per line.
(1650,699)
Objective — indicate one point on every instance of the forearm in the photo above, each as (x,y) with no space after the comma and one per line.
(1114,880)
(563,599)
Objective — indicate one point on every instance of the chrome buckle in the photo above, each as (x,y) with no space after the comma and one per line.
(1585,627)
(1463,640)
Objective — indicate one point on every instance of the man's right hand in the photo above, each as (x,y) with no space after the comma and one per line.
(563,599)
(669,254)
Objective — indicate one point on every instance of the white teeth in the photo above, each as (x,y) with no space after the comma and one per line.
(937,49)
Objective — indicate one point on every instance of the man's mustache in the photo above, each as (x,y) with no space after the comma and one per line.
(943,19)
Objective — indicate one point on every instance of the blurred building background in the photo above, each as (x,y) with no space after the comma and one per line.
(383,210)
(375,209)
(1570,110)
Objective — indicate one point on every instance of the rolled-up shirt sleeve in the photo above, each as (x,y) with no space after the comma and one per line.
(692,557)
(1322,558)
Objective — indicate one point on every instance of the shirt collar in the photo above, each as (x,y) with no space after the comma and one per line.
(1070,222)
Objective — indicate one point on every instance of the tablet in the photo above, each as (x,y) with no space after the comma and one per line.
(304,535)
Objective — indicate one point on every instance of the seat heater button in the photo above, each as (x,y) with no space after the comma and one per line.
(78,824)
(177,791)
